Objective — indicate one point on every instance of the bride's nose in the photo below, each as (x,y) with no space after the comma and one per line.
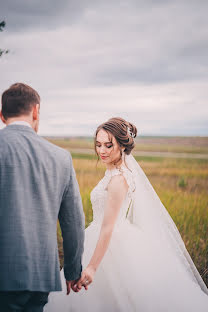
(102,149)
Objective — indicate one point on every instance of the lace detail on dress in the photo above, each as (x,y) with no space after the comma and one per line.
(99,194)
(127,175)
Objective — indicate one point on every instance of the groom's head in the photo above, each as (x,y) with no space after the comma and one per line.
(20,102)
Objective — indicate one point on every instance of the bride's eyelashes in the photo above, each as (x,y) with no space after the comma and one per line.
(109,146)
(106,145)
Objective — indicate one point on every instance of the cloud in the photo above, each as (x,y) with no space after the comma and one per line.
(145,60)
(47,14)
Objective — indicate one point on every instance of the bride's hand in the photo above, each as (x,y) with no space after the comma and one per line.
(86,278)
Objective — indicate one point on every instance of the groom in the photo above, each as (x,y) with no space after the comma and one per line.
(37,186)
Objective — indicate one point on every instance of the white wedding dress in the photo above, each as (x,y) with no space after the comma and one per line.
(146,267)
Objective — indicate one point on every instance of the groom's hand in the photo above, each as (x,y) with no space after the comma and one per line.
(70,285)
(74,286)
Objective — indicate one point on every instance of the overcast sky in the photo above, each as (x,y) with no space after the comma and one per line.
(143,60)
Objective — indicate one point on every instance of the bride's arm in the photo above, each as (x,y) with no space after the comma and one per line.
(117,189)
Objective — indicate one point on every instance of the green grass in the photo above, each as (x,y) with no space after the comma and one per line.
(192,145)
(83,156)
(189,212)
(181,161)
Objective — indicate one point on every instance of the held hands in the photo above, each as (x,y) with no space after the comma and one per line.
(68,286)
(86,278)
(84,281)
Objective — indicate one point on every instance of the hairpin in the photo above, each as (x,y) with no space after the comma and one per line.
(133,135)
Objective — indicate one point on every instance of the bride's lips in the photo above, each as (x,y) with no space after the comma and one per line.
(103,157)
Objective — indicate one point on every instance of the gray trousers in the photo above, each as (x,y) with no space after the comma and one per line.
(23,301)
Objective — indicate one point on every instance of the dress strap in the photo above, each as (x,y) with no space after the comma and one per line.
(126,173)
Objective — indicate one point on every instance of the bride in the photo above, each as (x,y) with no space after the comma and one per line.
(134,254)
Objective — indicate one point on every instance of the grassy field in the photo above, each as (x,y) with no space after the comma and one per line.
(182,185)
(194,145)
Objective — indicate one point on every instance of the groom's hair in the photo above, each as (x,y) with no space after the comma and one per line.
(18,100)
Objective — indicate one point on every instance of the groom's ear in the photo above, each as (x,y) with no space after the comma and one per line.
(36,111)
(2,117)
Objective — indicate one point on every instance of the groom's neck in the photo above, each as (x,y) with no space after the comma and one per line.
(27,119)
(19,118)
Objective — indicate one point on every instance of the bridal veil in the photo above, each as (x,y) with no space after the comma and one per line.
(149,214)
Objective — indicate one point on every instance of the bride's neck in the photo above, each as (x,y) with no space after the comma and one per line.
(115,165)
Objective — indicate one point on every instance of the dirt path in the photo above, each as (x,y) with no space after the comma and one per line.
(143,153)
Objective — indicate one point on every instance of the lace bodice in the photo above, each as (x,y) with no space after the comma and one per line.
(99,194)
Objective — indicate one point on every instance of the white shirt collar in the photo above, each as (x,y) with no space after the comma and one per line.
(21,123)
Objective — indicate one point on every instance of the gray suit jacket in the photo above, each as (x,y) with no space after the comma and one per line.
(37,186)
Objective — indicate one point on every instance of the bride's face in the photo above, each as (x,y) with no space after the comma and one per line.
(107,147)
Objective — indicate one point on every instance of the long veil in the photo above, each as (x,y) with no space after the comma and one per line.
(149,214)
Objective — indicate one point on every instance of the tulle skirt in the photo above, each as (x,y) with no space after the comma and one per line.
(136,274)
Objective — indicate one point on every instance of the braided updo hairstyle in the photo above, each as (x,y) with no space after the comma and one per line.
(123,131)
